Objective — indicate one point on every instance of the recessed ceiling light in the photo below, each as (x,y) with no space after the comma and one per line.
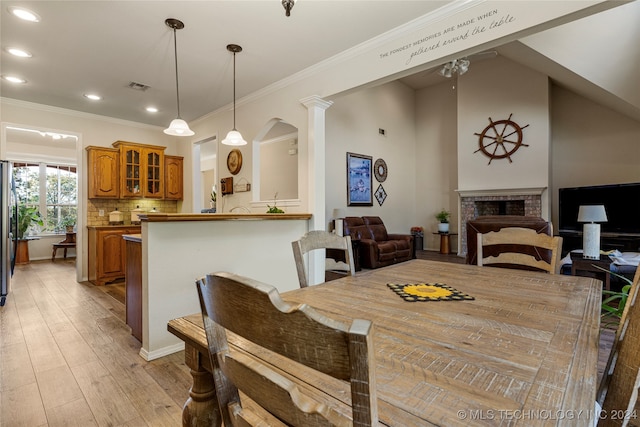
(19,52)
(25,14)
(92,96)
(14,79)
(152,109)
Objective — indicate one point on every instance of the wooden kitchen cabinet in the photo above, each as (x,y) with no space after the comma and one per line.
(107,260)
(154,167)
(173,187)
(131,170)
(103,172)
(141,170)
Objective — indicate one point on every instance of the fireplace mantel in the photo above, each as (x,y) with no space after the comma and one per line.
(533,191)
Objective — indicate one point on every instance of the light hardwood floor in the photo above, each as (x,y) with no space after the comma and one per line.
(67,357)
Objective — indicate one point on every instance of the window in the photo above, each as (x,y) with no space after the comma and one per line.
(51,188)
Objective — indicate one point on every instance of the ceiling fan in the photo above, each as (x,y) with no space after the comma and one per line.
(461,66)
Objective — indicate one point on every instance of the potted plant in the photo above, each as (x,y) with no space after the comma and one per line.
(68,222)
(27,216)
(443,219)
(274,208)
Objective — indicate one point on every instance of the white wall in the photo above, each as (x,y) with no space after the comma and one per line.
(591,145)
(279,169)
(352,126)
(176,254)
(436,158)
(611,37)
(495,89)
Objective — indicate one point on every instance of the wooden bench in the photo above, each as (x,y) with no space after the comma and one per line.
(68,242)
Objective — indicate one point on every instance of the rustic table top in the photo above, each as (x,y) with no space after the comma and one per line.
(522,352)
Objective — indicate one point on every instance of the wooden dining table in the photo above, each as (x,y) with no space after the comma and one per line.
(519,348)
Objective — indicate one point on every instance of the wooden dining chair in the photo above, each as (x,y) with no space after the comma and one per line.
(521,248)
(256,312)
(618,389)
(319,239)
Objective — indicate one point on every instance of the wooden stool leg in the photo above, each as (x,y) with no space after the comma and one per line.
(65,253)
(53,255)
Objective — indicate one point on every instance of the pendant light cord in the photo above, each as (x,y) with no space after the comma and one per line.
(234,91)
(175,55)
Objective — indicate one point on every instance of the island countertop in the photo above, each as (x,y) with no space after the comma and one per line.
(133,237)
(180,217)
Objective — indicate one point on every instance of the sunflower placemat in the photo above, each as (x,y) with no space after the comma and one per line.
(413,292)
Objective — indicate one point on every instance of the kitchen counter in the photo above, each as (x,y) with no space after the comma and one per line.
(133,237)
(179,248)
(113,227)
(178,217)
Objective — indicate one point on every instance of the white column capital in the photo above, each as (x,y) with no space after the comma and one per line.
(316,102)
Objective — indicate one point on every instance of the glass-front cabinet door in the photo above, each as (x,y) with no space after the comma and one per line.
(141,170)
(131,167)
(154,173)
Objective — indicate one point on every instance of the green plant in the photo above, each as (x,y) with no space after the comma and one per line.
(68,221)
(274,208)
(443,216)
(614,302)
(214,194)
(28,216)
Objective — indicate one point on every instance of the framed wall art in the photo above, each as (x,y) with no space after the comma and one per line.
(359,180)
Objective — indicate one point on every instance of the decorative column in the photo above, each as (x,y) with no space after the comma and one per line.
(316,164)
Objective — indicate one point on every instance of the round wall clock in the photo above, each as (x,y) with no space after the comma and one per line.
(234,161)
(380,170)
(500,139)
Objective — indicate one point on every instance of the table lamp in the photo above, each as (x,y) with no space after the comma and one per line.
(591,215)
(338,222)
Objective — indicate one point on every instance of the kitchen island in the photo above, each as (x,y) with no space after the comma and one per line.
(133,278)
(177,249)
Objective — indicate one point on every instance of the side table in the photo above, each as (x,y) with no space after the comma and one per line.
(589,267)
(445,242)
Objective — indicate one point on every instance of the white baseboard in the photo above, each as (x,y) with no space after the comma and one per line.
(161,352)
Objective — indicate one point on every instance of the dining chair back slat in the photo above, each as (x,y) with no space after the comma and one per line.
(320,239)
(256,312)
(513,240)
(618,390)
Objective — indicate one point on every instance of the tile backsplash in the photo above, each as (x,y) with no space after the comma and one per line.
(125,206)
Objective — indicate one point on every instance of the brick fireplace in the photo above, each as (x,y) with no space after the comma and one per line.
(475,203)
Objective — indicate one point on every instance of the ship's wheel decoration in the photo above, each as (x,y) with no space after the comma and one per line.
(500,139)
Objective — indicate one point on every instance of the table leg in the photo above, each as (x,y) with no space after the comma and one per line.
(201,408)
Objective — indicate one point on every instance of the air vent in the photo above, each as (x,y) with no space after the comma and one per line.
(138,86)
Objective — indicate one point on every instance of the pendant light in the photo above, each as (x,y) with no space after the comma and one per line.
(178,127)
(288,5)
(234,137)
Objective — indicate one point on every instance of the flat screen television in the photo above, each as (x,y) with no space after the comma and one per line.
(621,202)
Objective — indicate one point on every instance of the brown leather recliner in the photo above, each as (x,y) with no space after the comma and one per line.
(377,248)
(484,224)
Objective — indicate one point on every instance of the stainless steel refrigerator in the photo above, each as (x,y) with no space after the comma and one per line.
(8,228)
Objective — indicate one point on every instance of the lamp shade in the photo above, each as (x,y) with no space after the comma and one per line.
(234,138)
(592,213)
(178,127)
